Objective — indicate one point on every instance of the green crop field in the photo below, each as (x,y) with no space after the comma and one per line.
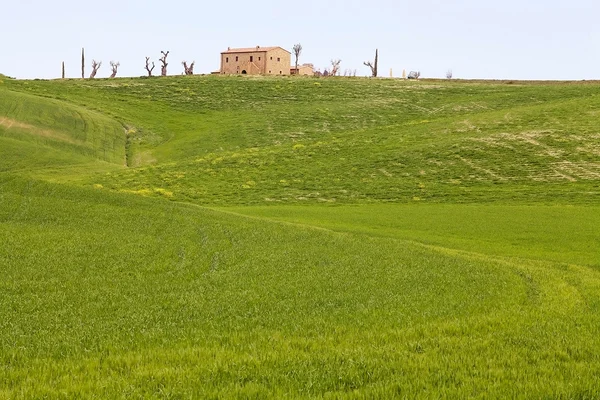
(229,237)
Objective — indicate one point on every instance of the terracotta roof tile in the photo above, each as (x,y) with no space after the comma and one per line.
(251,50)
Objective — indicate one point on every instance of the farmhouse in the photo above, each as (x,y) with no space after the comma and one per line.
(256,61)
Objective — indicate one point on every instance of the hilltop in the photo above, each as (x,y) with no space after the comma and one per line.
(299,237)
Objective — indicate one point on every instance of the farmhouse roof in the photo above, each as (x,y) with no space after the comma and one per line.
(251,49)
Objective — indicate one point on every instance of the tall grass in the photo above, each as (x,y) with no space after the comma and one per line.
(366,239)
(115,295)
(215,140)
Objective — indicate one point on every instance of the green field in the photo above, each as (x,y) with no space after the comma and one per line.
(229,237)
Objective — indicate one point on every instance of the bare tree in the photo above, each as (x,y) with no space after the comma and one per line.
(163,60)
(188,69)
(63,70)
(114,66)
(335,66)
(449,74)
(148,66)
(373,65)
(82,63)
(95,67)
(297,51)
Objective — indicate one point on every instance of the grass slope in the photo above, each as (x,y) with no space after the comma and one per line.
(139,297)
(534,232)
(217,140)
(62,126)
(380,239)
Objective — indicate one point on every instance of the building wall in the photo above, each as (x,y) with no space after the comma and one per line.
(278,62)
(306,70)
(235,63)
(271,62)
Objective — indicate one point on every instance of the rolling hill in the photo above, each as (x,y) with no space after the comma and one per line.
(305,238)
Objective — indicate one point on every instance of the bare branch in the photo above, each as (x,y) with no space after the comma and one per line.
(148,66)
(373,66)
(163,60)
(114,66)
(95,67)
(335,67)
(188,70)
(297,51)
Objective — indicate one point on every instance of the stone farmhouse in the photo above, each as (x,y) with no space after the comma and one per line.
(256,61)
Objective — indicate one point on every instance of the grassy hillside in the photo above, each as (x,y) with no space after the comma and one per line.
(221,140)
(302,238)
(62,126)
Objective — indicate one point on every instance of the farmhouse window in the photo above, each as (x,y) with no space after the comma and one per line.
(271,58)
(236,58)
(251,58)
(226,59)
(258,58)
(278,59)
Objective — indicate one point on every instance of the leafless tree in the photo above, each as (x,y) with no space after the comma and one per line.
(82,63)
(335,66)
(95,67)
(163,60)
(114,66)
(449,74)
(63,70)
(188,69)
(148,66)
(373,65)
(297,51)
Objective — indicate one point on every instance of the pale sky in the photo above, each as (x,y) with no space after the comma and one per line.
(508,39)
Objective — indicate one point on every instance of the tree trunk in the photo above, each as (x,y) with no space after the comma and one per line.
(376,60)
(148,66)
(63,70)
(163,60)
(95,67)
(82,63)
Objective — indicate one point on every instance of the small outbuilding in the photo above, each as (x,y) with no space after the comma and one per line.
(304,69)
